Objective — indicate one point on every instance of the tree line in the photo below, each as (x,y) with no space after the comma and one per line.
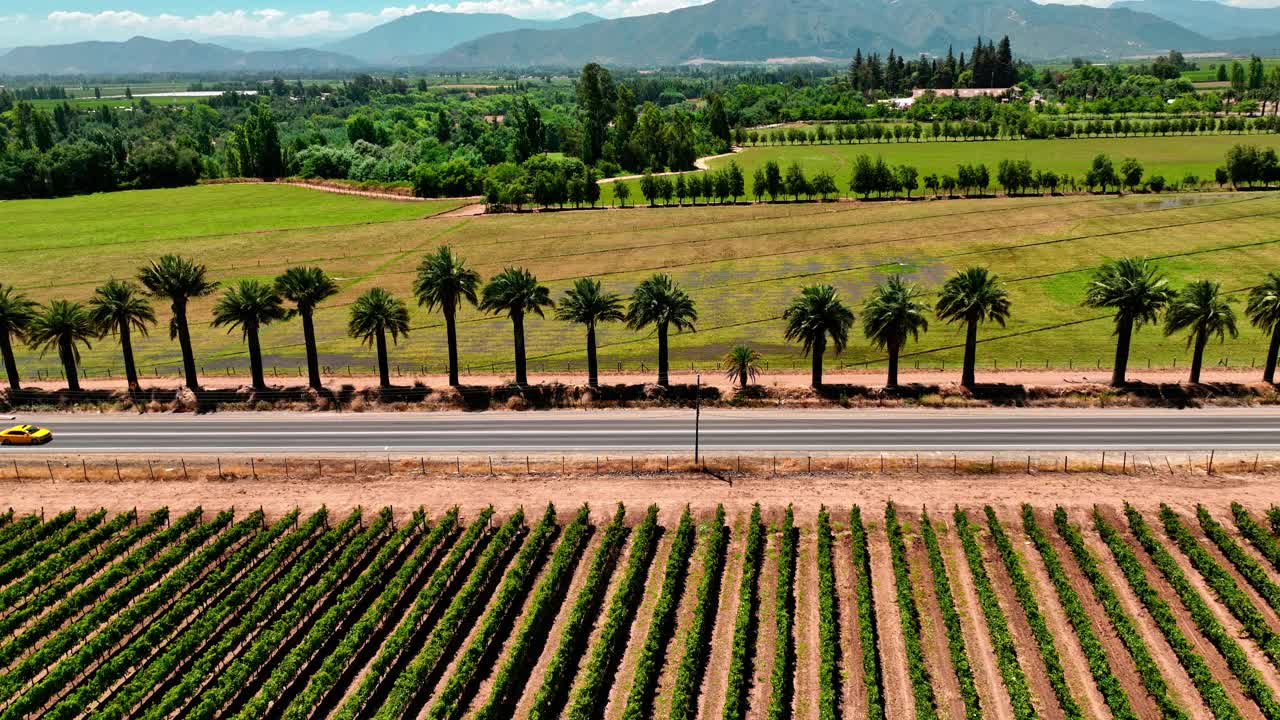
(894,314)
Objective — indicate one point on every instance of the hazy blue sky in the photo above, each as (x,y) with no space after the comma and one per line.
(25,22)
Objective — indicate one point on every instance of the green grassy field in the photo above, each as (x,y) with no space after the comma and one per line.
(1172,157)
(1206,73)
(741,264)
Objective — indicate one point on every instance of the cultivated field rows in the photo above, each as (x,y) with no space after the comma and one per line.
(880,612)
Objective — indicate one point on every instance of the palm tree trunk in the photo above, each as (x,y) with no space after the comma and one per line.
(593,370)
(452,333)
(1124,332)
(1197,358)
(1269,375)
(69,366)
(967,377)
(313,356)
(126,348)
(184,341)
(743,378)
(255,357)
(517,321)
(384,374)
(663,375)
(10,364)
(819,348)
(893,365)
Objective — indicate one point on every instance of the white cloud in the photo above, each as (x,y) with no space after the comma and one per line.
(269,22)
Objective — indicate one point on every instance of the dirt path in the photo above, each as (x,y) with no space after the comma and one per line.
(933,630)
(679,638)
(808,652)
(339,189)
(715,678)
(898,701)
(766,624)
(995,699)
(1074,664)
(1180,685)
(702,163)
(640,627)
(853,698)
(775,378)
(471,493)
(1046,702)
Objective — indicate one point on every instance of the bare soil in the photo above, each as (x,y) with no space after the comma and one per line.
(640,627)
(1075,665)
(766,625)
(808,656)
(715,677)
(933,631)
(406,489)
(899,702)
(853,697)
(1180,685)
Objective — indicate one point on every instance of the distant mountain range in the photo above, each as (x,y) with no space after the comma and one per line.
(416,39)
(755,30)
(145,55)
(1212,19)
(721,31)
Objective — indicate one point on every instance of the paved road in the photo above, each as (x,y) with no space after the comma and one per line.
(663,432)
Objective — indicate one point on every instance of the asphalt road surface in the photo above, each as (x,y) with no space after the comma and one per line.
(663,431)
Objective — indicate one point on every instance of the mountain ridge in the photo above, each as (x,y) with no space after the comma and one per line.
(415,39)
(141,54)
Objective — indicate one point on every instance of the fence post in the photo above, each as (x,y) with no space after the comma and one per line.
(219,468)
(185,476)
(118,476)
(1103,467)
(490,465)
(253,468)
(16,474)
(1211,452)
(50,466)
(423,463)
(151,470)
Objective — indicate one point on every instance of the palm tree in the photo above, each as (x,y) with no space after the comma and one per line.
(972,296)
(1263,311)
(178,279)
(515,291)
(306,287)
(375,315)
(816,314)
(660,302)
(250,306)
(1201,308)
(1137,291)
(63,326)
(444,281)
(892,316)
(119,308)
(586,303)
(741,365)
(15,315)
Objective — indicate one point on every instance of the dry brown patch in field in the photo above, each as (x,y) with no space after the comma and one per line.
(853,695)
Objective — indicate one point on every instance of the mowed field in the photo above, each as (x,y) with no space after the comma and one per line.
(741,265)
(873,612)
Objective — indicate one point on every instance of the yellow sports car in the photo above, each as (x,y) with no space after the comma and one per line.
(25,435)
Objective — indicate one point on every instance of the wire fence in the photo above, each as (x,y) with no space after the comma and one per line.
(725,467)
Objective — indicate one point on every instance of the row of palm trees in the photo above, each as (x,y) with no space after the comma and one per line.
(818,319)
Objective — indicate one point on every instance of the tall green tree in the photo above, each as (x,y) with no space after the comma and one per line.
(444,281)
(516,292)
(375,315)
(597,96)
(1137,292)
(1204,312)
(250,305)
(257,144)
(530,135)
(178,280)
(814,316)
(16,311)
(587,304)
(119,308)
(1263,312)
(718,119)
(306,287)
(973,296)
(741,365)
(893,315)
(660,302)
(63,326)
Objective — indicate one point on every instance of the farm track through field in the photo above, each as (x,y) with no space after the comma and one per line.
(255,641)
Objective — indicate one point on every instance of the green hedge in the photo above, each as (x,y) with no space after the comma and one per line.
(909,614)
(697,646)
